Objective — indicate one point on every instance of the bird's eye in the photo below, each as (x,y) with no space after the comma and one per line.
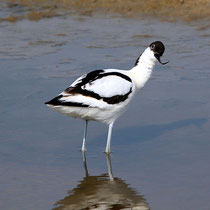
(152,46)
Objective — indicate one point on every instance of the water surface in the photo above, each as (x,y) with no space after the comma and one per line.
(160,145)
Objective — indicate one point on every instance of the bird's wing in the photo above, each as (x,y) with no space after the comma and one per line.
(99,88)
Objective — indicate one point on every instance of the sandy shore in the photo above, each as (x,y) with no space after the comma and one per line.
(187,10)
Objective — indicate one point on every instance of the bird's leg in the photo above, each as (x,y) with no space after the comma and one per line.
(84,138)
(109,164)
(85,164)
(108,144)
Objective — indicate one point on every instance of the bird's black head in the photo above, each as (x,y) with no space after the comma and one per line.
(158,48)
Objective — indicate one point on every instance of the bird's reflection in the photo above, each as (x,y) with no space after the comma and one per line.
(102,192)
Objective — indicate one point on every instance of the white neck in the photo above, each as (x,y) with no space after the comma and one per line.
(141,73)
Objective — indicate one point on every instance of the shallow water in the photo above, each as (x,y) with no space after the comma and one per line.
(160,145)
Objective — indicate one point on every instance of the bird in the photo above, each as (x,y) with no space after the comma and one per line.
(103,95)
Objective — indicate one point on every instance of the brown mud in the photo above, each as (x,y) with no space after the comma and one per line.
(170,10)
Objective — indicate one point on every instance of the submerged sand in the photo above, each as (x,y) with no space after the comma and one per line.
(187,10)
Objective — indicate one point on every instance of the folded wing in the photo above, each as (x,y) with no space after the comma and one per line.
(99,88)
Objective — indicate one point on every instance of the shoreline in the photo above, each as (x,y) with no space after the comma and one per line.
(169,10)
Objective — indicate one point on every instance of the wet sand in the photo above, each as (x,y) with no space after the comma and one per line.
(170,10)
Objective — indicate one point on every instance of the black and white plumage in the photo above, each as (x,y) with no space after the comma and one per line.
(103,95)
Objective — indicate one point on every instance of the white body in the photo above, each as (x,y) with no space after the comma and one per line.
(108,86)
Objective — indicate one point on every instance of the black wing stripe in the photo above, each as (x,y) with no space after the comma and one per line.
(93,75)
(98,74)
(56,102)
(109,100)
(115,74)
(116,99)
(137,60)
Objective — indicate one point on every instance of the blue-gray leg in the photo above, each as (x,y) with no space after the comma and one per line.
(84,138)
(108,144)
(109,164)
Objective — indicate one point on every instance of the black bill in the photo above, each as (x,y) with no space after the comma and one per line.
(158,58)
